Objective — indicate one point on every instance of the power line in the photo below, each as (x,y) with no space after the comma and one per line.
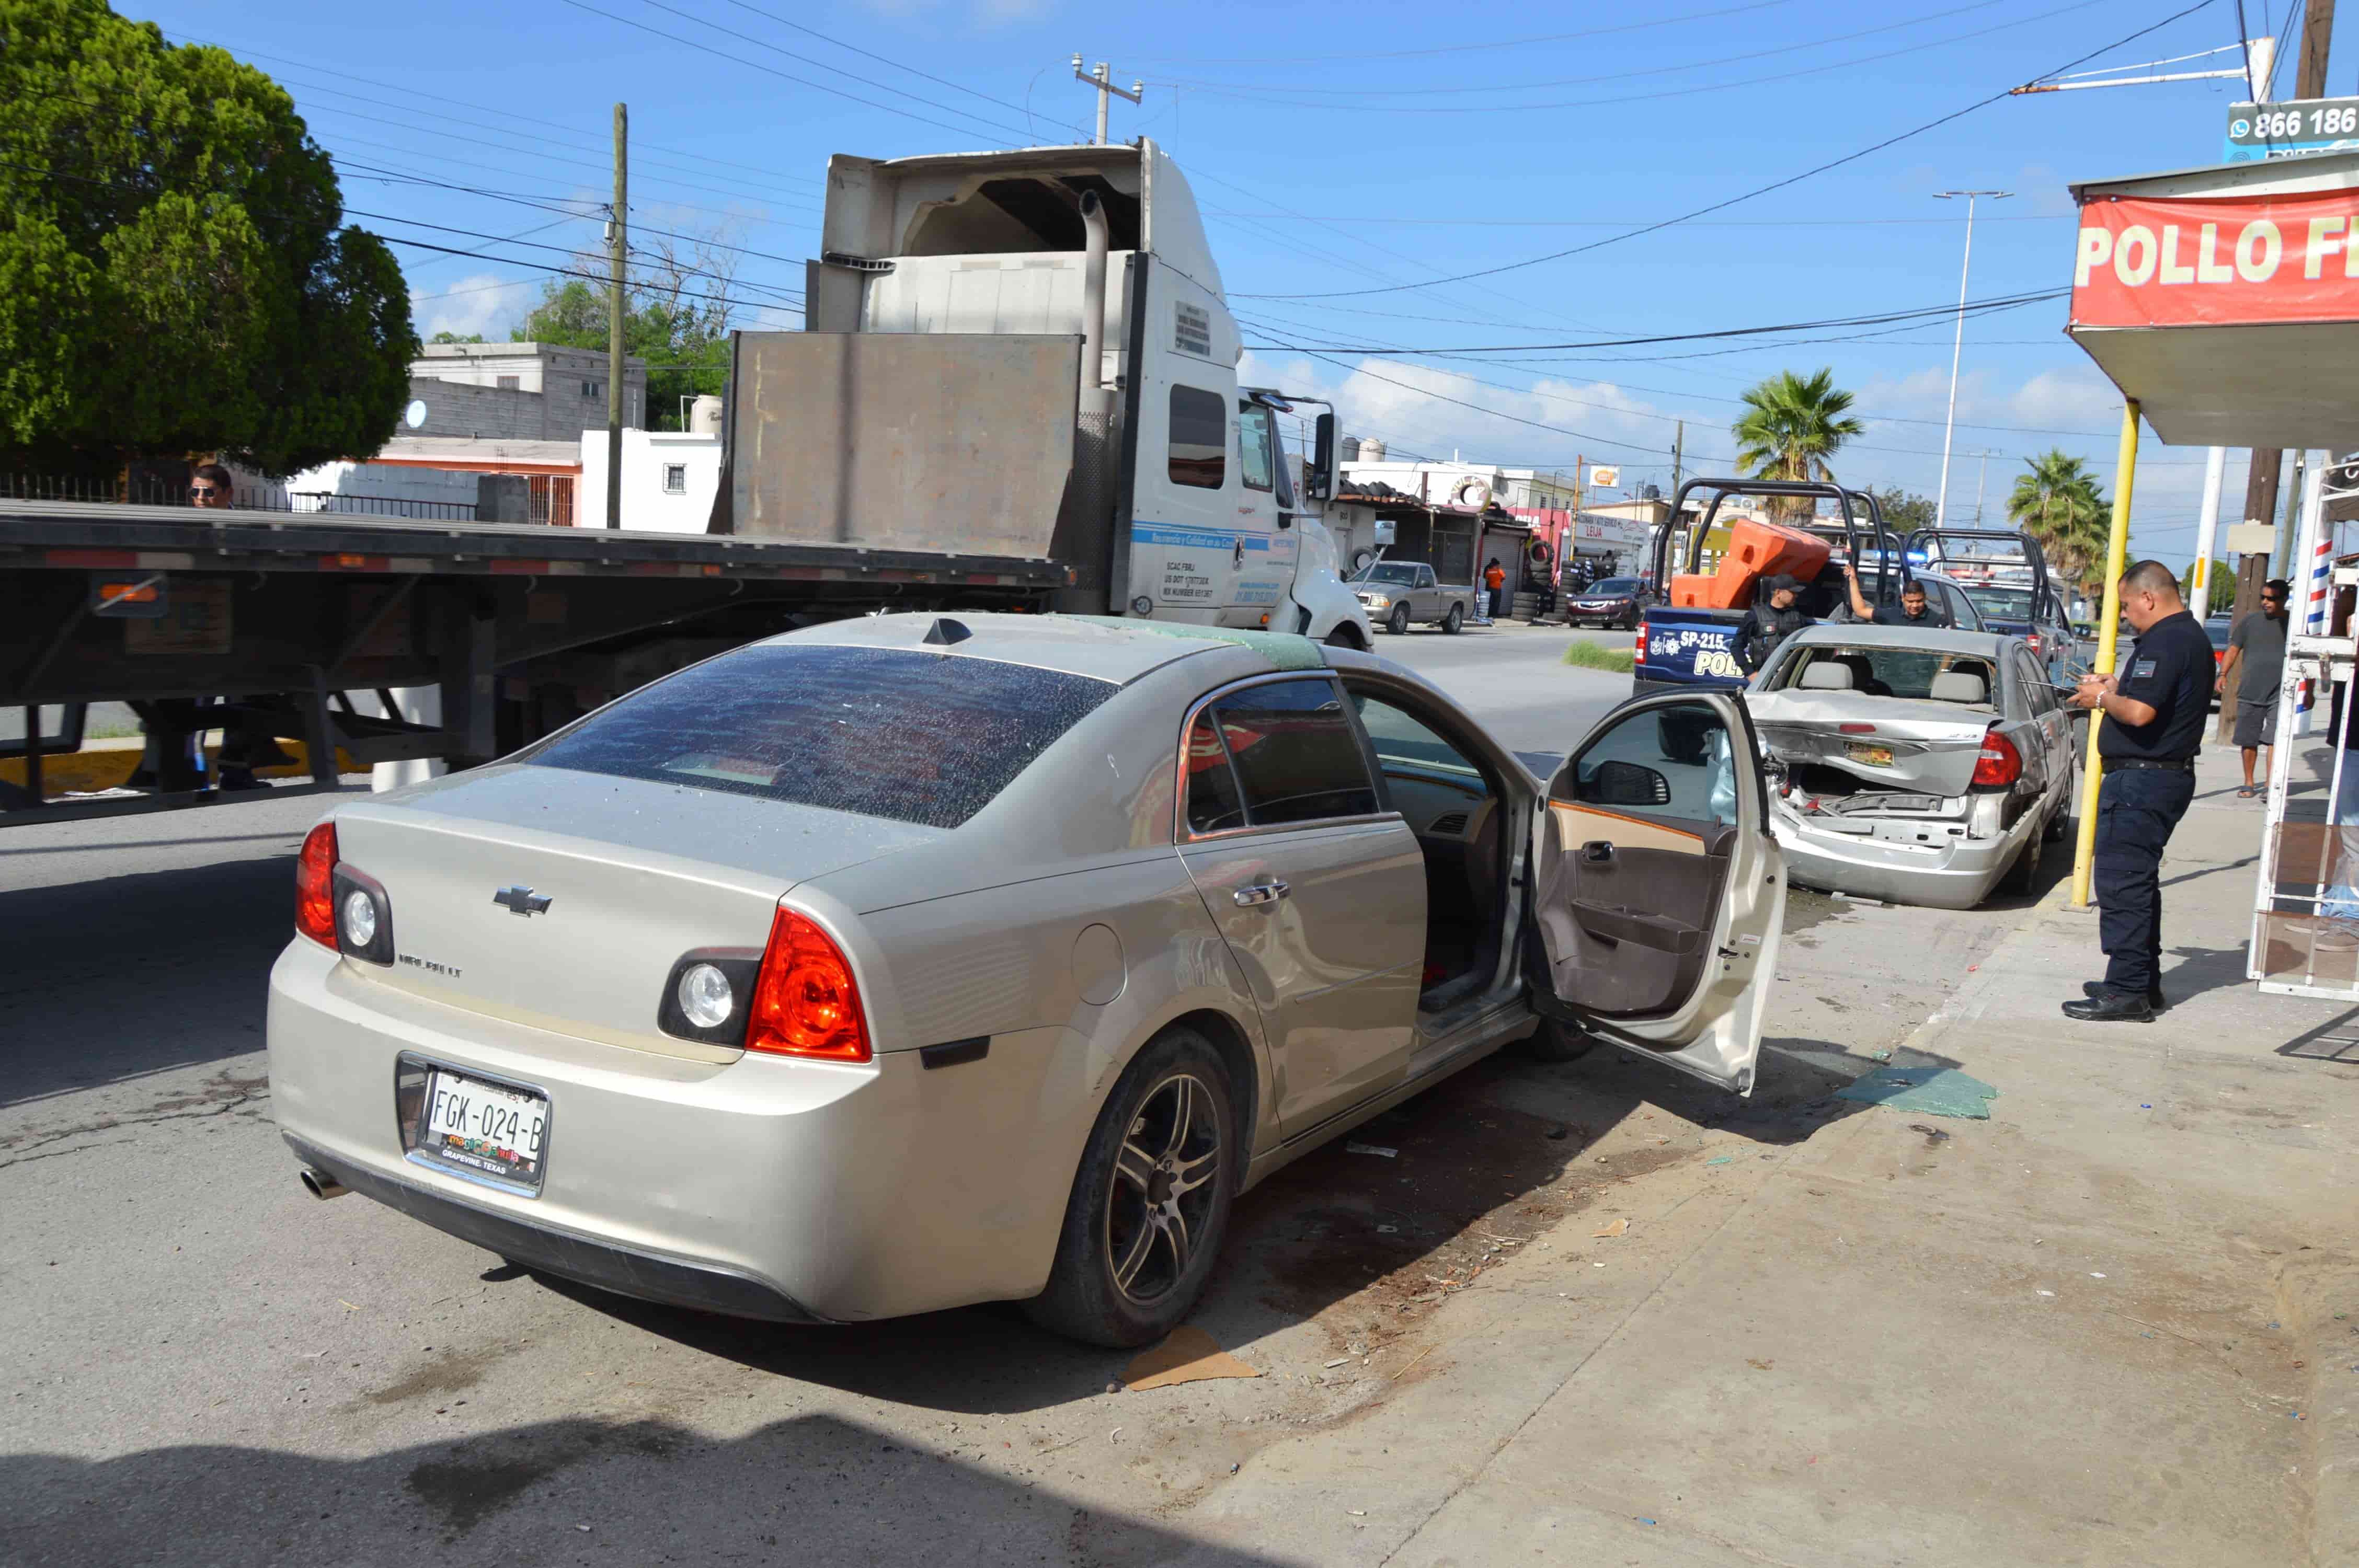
(1915,313)
(484,108)
(1472,48)
(1680,91)
(898,65)
(1365,220)
(769,70)
(1496,88)
(1758,191)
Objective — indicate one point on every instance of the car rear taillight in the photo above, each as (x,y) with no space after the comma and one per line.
(315,893)
(806,1002)
(1639,649)
(2032,638)
(2000,763)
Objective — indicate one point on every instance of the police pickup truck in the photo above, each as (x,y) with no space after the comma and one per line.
(1690,646)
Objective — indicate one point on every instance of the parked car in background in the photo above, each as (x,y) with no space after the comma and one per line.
(1400,594)
(2004,573)
(1614,601)
(1919,767)
(2217,628)
(901,963)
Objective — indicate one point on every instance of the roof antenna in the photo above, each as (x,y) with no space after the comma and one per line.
(945,632)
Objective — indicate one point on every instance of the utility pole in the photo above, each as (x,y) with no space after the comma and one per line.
(1981,479)
(1104,82)
(1957,348)
(1678,451)
(617,251)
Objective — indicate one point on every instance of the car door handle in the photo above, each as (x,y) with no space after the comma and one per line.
(1597,849)
(1260,892)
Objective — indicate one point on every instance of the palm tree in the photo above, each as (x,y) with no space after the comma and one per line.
(1791,426)
(2059,500)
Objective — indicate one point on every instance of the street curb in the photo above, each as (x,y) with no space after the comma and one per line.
(2311,1286)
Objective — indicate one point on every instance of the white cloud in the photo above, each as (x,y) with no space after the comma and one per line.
(482,302)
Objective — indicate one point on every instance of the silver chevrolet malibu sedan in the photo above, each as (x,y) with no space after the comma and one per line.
(909,962)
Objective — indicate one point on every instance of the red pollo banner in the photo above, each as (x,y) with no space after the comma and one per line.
(2233,261)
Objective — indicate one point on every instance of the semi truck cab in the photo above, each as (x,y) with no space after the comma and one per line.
(1173,498)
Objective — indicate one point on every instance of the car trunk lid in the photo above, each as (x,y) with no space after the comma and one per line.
(562,900)
(1913,747)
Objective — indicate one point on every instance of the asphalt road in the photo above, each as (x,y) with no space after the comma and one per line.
(208,1365)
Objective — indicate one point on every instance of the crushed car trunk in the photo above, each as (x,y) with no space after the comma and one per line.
(1920,748)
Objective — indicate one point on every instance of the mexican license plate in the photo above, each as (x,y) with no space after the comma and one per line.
(1874,756)
(488,1128)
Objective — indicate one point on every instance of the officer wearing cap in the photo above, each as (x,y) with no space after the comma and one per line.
(1773,618)
(2150,725)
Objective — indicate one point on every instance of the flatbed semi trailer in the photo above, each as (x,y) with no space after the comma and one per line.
(269,624)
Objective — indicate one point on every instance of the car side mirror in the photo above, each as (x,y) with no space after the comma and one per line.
(1628,783)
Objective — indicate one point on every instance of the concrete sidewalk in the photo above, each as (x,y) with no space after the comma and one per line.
(2103,1326)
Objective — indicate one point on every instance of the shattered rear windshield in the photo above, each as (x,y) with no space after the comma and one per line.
(924,738)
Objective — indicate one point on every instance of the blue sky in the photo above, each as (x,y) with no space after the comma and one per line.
(1358,148)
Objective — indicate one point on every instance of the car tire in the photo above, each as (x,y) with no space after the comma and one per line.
(1175,1110)
(1454,620)
(2024,872)
(1398,622)
(1554,1041)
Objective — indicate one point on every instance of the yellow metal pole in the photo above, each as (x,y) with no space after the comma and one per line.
(2093,775)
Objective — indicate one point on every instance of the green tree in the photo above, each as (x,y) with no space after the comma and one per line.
(2223,588)
(175,275)
(1904,509)
(676,316)
(1792,425)
(455,338)
(2059,500)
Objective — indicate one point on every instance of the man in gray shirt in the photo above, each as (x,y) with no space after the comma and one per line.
(2255,661)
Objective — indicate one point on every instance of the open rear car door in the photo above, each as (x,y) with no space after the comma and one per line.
(1658,892)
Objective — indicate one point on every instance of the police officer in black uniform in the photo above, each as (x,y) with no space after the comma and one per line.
(2151,726)
(1773,618)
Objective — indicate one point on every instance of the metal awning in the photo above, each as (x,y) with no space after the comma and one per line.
(2225,300)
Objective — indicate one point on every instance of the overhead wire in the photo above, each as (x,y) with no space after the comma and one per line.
(766,69)
(1779,76)
(1294,59)
(1756,191)
(1494,88)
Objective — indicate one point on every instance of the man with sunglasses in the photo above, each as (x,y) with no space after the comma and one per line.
(2149,726)
(209,486)
(2256,650)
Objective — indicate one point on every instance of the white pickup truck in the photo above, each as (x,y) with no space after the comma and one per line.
(1399,594)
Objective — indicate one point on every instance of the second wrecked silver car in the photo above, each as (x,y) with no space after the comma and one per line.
(1915,766)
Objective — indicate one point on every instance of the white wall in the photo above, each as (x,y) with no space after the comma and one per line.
(398,481)
(646,505)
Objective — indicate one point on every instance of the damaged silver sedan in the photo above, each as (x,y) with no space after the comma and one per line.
(1915,766)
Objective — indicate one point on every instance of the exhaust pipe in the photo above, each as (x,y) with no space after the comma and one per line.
(1094,292)
(322,1186)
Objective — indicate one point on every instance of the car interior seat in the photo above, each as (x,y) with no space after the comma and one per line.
(1828,674)
(1959,686)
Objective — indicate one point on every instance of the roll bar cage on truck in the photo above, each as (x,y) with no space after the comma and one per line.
(1017,390)
(1688,639)
(2048,628)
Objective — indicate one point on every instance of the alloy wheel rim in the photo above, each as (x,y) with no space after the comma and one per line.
(1160,1203)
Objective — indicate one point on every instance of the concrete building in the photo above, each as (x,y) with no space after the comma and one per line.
(539,392)
(440,479)
(670,477)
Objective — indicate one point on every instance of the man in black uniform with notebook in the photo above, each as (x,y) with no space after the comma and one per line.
(2150,724)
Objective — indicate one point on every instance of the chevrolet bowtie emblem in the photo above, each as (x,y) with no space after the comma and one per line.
(521,901)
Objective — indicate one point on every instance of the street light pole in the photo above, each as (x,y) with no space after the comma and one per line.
(1957,348)
(1102,80)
